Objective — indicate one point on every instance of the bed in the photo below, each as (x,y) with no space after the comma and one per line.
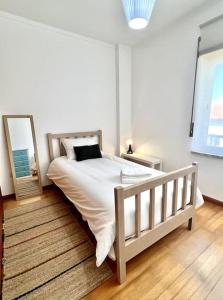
(125,219)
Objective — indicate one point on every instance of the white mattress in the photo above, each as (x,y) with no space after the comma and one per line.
(89,184)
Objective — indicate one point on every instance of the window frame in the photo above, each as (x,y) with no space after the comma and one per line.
(206,150)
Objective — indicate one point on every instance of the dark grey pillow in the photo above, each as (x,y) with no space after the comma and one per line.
(87,152)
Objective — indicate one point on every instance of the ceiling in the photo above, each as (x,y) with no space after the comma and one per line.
(100,19)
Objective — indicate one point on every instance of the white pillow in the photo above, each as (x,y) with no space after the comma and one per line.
(82,141)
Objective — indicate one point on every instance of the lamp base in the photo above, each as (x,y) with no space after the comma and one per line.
(130,150)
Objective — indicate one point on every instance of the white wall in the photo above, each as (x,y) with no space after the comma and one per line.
(124,94)
(163,79)
(67,82)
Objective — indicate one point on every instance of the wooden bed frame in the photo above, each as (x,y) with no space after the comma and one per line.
(127,249)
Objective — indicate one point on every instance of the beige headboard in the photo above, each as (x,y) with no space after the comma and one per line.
(54,141)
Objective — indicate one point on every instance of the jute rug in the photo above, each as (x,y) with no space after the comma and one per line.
(47,255)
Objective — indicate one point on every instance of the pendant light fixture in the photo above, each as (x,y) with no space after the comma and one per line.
(138,12)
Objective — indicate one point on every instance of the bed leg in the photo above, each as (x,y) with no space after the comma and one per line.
(121,271)
(120,235)
(190,222)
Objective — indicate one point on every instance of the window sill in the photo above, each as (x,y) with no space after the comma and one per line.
(207,154)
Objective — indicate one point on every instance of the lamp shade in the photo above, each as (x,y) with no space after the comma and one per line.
(138,12)
(129,142)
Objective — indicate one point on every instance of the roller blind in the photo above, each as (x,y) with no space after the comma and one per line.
(211,35)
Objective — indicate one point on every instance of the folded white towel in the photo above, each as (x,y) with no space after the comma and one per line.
(133,180)
(135,172)
(133,175)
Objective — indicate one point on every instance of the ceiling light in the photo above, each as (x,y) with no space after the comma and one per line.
(138,12)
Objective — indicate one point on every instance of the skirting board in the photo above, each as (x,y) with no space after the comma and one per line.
(45,188)
(212,200)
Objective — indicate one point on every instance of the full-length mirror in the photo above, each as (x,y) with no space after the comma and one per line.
(21,142)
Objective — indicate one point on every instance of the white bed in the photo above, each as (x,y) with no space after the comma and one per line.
(90,186)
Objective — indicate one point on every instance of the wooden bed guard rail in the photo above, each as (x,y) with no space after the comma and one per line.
(125,250)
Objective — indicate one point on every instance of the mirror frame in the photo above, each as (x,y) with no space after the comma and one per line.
(9,146)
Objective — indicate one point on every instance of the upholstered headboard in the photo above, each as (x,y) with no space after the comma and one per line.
(56,148)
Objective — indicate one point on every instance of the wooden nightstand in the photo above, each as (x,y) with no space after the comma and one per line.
(146,160)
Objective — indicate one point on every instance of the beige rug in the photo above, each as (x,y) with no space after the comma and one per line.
(47,255)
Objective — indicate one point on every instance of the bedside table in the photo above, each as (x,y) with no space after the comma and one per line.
(145,160)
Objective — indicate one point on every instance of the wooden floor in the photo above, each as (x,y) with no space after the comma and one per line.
(183,265)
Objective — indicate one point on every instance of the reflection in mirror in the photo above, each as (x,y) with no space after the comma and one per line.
(22,147)
(23,155)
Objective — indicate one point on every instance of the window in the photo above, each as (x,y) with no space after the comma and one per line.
(208,126)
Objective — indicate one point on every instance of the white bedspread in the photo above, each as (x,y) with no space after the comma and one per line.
(90,186)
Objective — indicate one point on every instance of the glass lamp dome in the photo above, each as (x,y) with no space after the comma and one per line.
(138,12)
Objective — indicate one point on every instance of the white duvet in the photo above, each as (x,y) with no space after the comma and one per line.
(90,184)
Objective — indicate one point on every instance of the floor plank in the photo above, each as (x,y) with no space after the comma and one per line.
(183,265)
(216,293)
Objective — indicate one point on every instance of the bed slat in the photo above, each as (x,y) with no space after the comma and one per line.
(194,185)
(138,214)
(184,194)
(60,145)
(164,202)
(175,197)
(152,208)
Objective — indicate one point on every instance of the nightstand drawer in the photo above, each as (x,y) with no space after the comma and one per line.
(21,163)
(22,169)
(20,157)
(20,152)
(22,173)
